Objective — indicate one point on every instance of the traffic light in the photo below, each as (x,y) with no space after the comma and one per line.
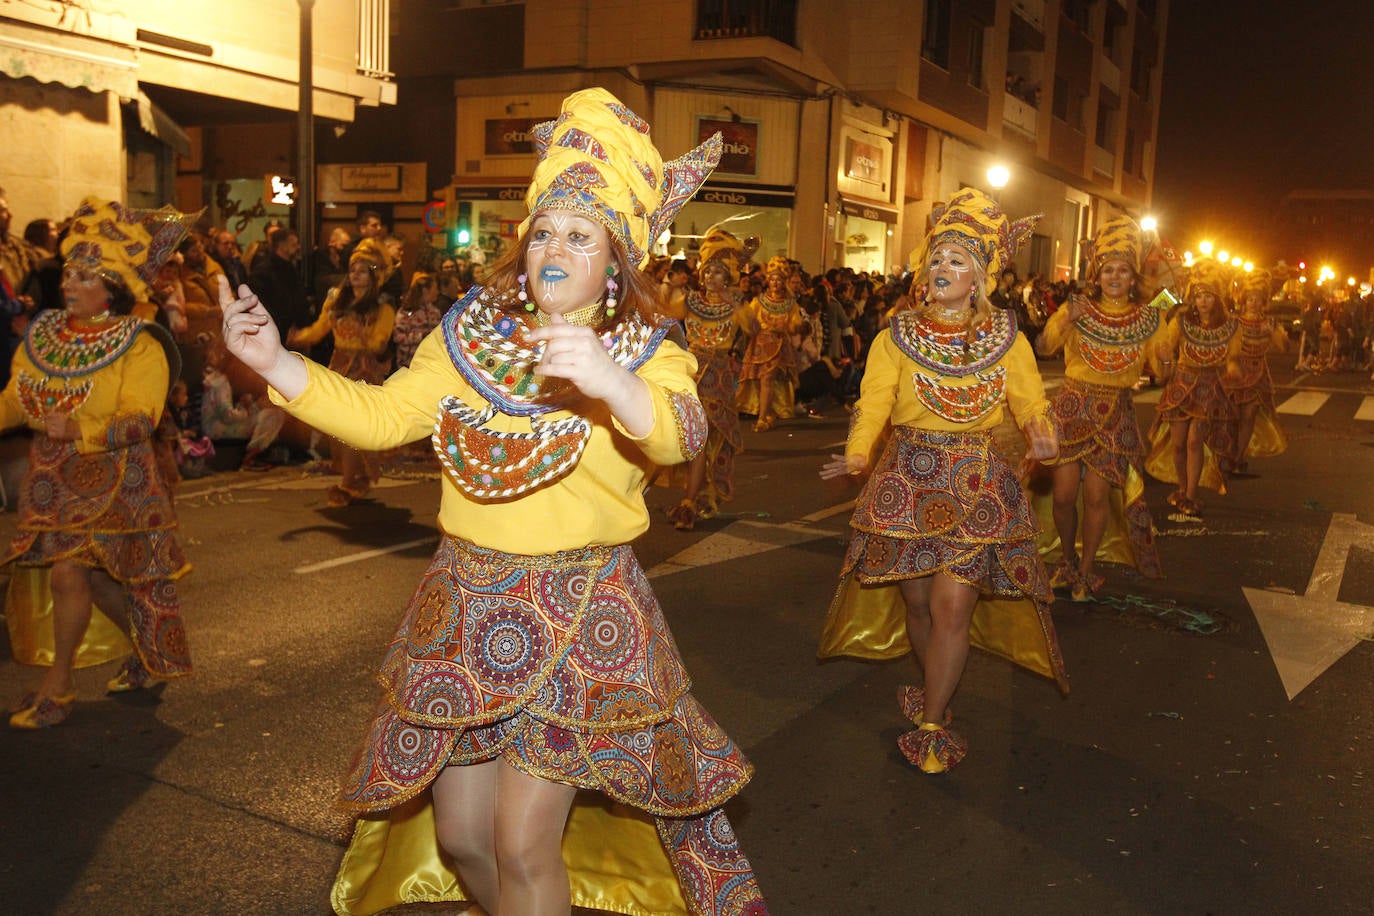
(460,236)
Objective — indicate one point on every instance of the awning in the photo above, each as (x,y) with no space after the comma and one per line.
(160,125)
(851,207)
(71,60)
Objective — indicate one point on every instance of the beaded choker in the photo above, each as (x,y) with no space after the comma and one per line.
(777,306)
(1206,346)
(1126,329)
(703,306)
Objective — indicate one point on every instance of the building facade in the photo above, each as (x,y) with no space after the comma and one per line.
(845,121)
(181,101)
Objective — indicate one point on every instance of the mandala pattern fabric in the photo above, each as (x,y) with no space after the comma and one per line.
(563,665)
(710,865)
(1098,426)
(110,511)
(717,382)
(947,502)
(1197,395)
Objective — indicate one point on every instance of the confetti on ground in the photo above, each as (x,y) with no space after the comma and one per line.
(1166,613)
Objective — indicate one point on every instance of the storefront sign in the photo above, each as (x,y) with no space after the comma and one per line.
(489,192)
(370,177)
(510,136)
(740,155)
(746,195)
(863,161)
(868,211)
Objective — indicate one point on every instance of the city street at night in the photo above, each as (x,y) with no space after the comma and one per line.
(1215,753)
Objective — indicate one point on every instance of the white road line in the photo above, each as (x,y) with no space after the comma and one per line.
(1304,403)
(1366,411)
(364,555)
(826,513)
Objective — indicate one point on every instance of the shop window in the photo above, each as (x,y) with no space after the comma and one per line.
(935,38)
(975,54)
(1106,120)
(747,19)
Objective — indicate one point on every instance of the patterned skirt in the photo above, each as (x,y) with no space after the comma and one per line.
(945,502)
(1196,395)
(1255,387)
(1098,427)
(562,665)
(717,384)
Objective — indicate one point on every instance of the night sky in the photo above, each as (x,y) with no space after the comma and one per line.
(1261,98)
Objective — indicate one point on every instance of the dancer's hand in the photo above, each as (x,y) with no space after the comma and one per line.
(250,334)
(577,354)
(844,465)
(1042,440)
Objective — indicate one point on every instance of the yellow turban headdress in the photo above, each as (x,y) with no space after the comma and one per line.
(1258,280)
(974,221)
(721,247)
(371,253)
(778,265)
(126,245)
(1117,240)
(597,160)
(1208,274)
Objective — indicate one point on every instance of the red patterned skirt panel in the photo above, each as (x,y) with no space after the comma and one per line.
(1197,394)
(110,511)
(1098,426)
(947,502)
(1254,385)
(770,351)
(563,665)
(717,387)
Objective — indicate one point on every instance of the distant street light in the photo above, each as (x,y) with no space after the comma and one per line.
(998,176)
(1205,247)
(1149,224)
(1236,261)
(1224,256)
(1249,266)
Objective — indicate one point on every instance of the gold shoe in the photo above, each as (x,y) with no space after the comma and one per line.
(933,748)
(34,712)
(130,676)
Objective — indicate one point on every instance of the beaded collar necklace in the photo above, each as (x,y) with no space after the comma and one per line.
(1129,328)
(939,346)
(711,306)
(777,306)
(63,346)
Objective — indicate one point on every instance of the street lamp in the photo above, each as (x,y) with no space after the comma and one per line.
(1205,247)
(1236,261)
(998,176)
(1149,224)
(1249,266)
(1223,256)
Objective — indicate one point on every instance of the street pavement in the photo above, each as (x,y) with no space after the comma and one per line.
(1178,776)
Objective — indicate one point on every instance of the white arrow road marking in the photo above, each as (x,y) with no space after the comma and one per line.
(1309,633)
(741,539)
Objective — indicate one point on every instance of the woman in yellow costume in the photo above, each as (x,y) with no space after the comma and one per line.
(715,321)
(768,379)
(1251,388)
(534,659)
(91,381)
(361,318)
(943,549)
(1106,337)
(1194,422)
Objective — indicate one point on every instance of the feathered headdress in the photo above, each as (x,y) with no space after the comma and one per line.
(1117,239)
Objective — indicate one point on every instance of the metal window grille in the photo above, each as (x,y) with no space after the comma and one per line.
(374,38)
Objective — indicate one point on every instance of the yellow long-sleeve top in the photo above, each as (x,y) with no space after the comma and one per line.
(599,502)
(353,334)
(1109,348)
(114,404)
(890,388)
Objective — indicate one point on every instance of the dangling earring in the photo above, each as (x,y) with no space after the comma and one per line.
(611,288)
(973,297)
(522,295)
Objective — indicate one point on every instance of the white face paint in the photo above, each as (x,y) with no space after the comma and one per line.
(951,275)
(566,261)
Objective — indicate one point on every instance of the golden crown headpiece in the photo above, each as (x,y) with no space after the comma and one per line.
(597,160)
(1259,280)
(124,244)
(721,247)
(1209,274)
(975,221)
(1118,239)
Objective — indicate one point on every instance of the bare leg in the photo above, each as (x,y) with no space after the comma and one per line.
(71,614)
(1178,440)
(1096,494)
(1066,479)
(111,598)
(1245,431)
(765,400)
(465,820)
(696,474)
(1197,434)
(916,595)
(530,816)
(943,647)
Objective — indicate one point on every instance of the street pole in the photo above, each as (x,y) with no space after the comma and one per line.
(305,143)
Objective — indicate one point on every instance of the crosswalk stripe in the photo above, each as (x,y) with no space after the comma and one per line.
(1304,403)
(1366,411)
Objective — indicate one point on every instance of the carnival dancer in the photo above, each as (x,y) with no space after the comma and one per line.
(91,380)
(1106,337)
(715,323)
(534,659)
(1251,388)
(943,548)
(1195,420)
(768,378)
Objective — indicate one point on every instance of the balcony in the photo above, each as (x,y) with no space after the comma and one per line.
(1033,11)
(1019,116)
(1111,75)
(775,19)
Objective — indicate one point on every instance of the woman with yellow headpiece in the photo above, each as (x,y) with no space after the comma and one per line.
(91,381)
(534,660)
(943,548)
(361,319)
(768,379)
(1106,337)
(1251,387)
(715,322)
(1195,420)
